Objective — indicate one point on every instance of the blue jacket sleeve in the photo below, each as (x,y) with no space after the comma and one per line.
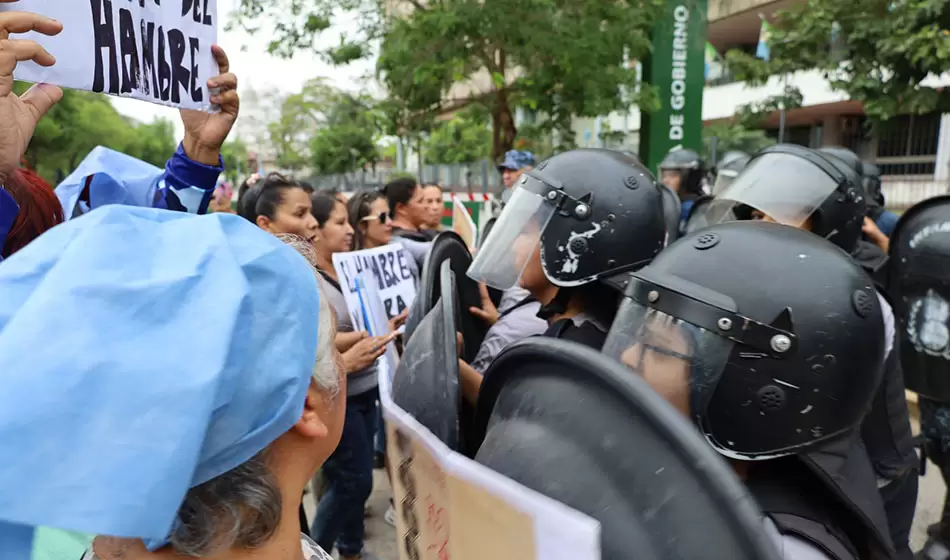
(187,186)
(886,222)
(9,210)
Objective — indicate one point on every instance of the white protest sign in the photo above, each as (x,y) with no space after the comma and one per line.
(153,50)
(389,268)
(463,224)
(374,315)
(451,507)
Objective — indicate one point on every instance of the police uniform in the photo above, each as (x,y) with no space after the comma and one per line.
(823,190)
(775,379)
(590,216)
(917,282)
(692,184)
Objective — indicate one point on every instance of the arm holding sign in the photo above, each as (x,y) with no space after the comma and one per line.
(19,114)
(192,173)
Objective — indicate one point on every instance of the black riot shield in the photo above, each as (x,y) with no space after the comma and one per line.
(672,208)
(426,383)
(570,423)
(449,246)
(696,219)
(919,288)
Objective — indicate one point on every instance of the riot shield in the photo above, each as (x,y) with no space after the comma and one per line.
(570,423)
(696,219)
(672,209)
(426,383)
(919,288)
(449,246)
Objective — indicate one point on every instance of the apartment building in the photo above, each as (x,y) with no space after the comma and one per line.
(913,152)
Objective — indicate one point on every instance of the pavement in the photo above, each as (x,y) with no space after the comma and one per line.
(381,537)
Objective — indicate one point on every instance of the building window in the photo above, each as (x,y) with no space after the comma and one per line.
(907,145)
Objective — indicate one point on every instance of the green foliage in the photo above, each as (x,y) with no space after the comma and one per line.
(465,138)
(347,139)
(733,136)
(881,53)
(235,155)
(301,115)
(535,139)
(82,121)
(557,58)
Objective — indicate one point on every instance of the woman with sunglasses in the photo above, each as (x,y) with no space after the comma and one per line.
(369,218)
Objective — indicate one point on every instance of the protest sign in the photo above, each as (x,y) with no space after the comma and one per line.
(374,317)
(144,49)
(450,507)
(389,268)
(463,224)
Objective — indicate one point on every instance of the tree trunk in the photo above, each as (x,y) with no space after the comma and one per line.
(503,126)
(503,122)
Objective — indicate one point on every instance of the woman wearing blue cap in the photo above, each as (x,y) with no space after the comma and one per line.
(189,419)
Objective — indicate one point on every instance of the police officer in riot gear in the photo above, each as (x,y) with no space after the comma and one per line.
(884,220)
(573,225)
(822,193)
(685,172)
(777,380)
(918,283)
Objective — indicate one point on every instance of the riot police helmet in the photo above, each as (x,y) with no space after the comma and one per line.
(683,171)
(743,346)
(850,158)
(729,167)
(800,187)
(577,218)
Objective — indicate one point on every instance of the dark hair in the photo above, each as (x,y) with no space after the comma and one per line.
(322,205)
(399,191)
(40,210)
(436,185)
(358,208)
(263,198)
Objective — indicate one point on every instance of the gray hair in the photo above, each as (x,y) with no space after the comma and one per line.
(242,507)
(238,509)
(325,372)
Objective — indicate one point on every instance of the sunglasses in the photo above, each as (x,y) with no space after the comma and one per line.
(383,217)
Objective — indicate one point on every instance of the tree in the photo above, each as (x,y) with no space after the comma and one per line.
(879,54)
(235,156)
(557,58)
(732,136)
(465,138)
(80,122)
(301,115)
(347,138)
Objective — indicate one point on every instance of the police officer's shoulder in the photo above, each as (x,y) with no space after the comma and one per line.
(791,547)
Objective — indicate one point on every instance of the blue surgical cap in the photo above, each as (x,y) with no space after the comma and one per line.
(143,352)
(114,178)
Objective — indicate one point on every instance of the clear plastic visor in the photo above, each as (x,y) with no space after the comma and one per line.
(680,361)
(723,179)
(784,188)
(515,237)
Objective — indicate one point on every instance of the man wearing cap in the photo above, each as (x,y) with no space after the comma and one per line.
(516,162)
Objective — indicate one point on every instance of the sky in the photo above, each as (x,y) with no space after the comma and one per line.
(262,71)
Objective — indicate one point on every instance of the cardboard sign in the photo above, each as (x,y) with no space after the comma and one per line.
(389,268)
(154,50)
(463,224)
(448,507)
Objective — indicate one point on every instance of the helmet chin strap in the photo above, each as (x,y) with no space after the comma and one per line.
(557,305)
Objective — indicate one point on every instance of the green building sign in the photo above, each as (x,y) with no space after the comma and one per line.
(677,69)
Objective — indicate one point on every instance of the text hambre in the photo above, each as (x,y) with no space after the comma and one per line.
(149,57)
